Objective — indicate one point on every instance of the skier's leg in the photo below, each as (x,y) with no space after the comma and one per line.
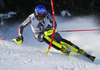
(68,44)
(56,45)
(72,46)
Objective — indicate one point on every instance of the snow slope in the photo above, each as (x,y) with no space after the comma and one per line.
(31,54)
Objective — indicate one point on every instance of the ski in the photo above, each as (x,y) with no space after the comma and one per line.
(92,58)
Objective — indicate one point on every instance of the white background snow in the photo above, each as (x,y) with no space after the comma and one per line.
(31,54)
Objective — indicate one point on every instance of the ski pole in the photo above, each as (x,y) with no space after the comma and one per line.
(18,42)
(9,39)
(78,30)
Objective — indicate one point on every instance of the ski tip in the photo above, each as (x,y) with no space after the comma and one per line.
(93,59)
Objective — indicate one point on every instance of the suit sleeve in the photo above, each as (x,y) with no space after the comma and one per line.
(23,25)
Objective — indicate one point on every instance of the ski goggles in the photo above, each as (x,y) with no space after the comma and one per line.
(41,15)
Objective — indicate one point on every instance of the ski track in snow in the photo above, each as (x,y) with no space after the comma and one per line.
(24,57)
(16,57)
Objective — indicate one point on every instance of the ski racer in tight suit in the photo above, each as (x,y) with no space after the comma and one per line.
(41,24)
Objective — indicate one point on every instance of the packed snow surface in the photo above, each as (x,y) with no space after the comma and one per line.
(31,54)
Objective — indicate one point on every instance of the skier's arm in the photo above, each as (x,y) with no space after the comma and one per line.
(50,18)
(19,38)
(24,24)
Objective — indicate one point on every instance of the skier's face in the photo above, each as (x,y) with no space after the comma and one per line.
(41,17)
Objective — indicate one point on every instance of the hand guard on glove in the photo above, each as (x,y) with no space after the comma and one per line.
(19,39)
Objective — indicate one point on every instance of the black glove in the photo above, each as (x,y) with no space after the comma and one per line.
(19,39)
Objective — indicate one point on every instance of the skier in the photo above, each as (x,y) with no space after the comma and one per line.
(43,31)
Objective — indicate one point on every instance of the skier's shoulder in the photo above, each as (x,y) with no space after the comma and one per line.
(48,14)
(31,15)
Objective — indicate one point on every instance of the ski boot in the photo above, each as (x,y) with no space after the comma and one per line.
(68,52)
(82,52)
(64,50)
(92,58)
